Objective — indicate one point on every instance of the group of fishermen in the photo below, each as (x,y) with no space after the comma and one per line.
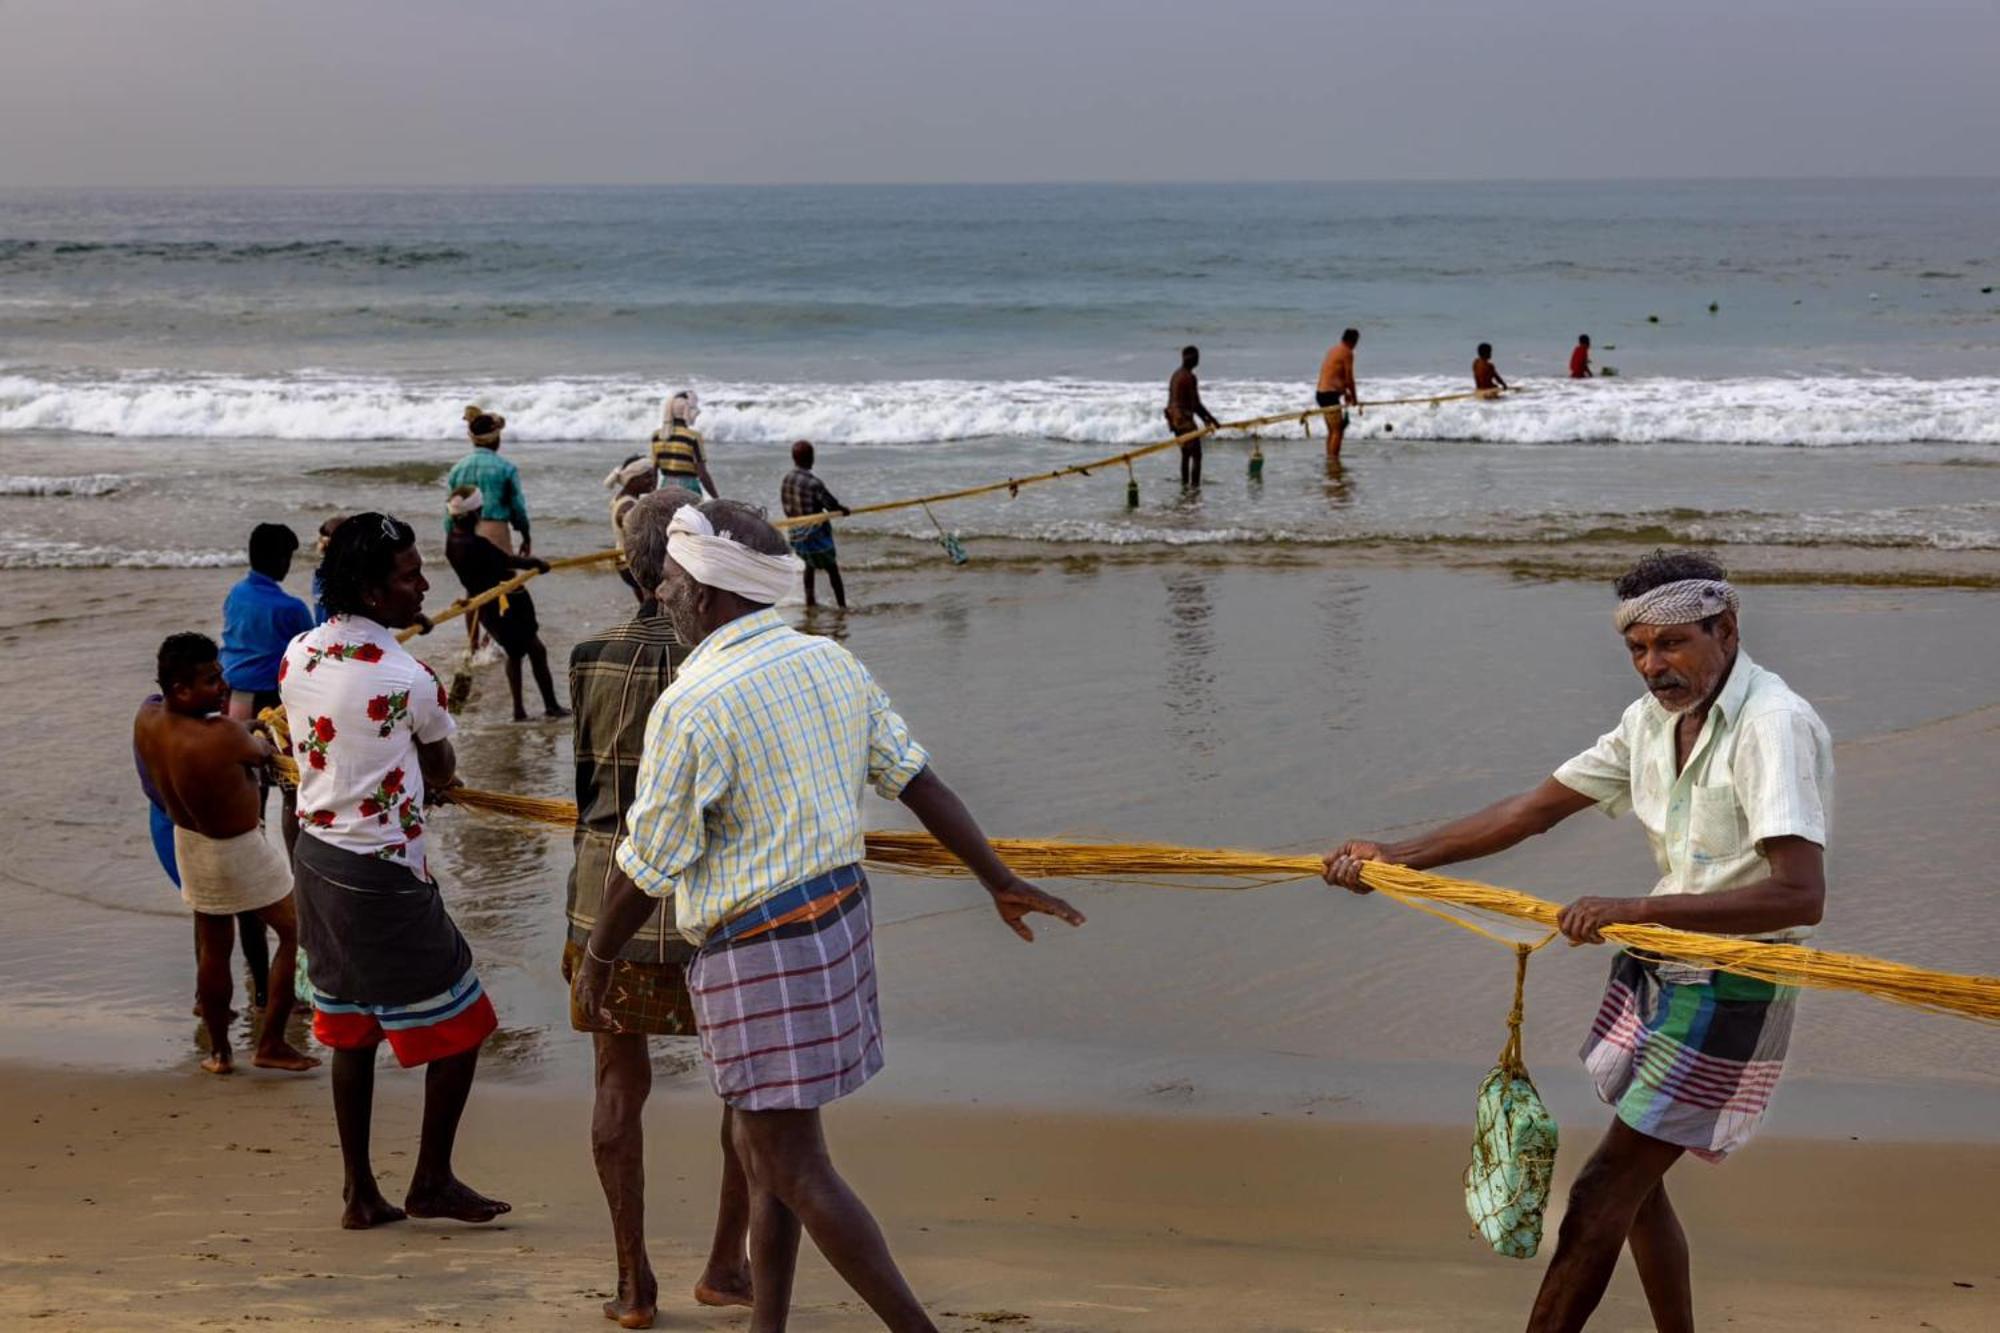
(717,888)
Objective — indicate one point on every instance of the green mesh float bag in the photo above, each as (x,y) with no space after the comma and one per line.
(1514,1146)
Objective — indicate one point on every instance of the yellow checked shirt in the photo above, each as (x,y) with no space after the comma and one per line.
(1762,768)
(755,761)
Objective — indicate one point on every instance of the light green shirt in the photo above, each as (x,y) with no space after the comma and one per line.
(1762,768)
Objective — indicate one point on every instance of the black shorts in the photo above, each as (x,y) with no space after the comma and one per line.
(515,629)
(1327,398)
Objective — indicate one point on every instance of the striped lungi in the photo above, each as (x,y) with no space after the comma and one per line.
(784,997)
(1689,1055)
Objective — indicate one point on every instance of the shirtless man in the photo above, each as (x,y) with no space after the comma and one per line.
(207,769)
(1337,387)
(1485,378)
(1184,406)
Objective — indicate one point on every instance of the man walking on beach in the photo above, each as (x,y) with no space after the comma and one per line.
(1338,390)
(614,680)
(1485,376)
(373,735)
(1731,776)
(207,772)
(748,812)
(1184,406)
(1579,358)
(803,493)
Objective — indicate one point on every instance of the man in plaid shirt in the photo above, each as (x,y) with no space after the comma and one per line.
(803,493)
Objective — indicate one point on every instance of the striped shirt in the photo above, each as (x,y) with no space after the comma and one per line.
(499,483)
(1761,768)
(756,757)
(677,452)
(614,680)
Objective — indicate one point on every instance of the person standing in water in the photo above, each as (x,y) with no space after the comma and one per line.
(1338,389)
(498,480)
(1485,377)
(1184,406)
(678,451)
(803,493)
(509,619)
(1579,358)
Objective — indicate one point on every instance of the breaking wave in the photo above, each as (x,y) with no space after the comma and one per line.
(95,483)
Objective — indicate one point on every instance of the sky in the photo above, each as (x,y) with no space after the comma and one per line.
(456,92)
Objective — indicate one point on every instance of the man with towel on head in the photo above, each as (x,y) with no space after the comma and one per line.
(1731,776)
(207,770)
(748,813)
(496,478)
(678,451)
(372,733)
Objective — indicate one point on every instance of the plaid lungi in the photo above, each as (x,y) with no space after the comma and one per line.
(646,999)
(785,1000)
(1689,1055)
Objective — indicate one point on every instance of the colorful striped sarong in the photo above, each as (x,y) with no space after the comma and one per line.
(1689,1055)
(447,1024)
(785,1000)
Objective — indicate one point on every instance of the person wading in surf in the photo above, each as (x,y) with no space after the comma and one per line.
(1338,390)
(1184,406)
(1731,776)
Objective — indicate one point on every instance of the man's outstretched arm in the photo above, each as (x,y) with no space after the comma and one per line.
(947,819)
(1494,829)
(1794,894)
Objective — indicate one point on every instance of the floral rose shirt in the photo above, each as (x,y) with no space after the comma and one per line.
(358,705)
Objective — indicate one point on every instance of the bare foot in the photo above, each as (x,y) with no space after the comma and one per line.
(724,1289)
(552,715)
(220,1063)
(369,1210)
(283,1055)
(627,1315)
(454,1199)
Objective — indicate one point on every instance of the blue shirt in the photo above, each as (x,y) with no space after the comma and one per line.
(258,619)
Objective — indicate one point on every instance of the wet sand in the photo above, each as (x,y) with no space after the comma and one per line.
(170,1201)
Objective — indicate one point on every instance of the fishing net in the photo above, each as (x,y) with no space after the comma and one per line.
(1513,1147)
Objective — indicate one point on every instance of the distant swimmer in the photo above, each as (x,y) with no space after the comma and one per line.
(1184,407)
(1485,377)
(1337,386)
(207,770)
(804,493)
(496,478)
(1579,358)
(678,451)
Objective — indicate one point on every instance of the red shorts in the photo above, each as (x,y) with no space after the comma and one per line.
(447,1024)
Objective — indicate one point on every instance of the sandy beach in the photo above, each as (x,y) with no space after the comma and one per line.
(168,1201)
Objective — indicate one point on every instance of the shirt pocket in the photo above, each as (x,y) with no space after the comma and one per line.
(1716,827)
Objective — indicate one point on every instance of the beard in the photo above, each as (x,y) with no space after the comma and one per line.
(677,603)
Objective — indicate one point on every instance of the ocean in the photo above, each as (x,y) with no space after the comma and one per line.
(1845,389)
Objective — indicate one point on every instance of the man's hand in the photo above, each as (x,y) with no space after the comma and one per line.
(423,623)
(1584,920)
(1017,898)
(592,989)
(1343,864)
(845,512)
(440,794)
(527,544)
(541,566)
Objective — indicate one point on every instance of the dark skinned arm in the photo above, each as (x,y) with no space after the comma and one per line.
(1794,894)
(701,471)
(439,763)
(940,811)
(1494,829)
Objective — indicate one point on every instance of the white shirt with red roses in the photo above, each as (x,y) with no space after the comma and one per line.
(358,705)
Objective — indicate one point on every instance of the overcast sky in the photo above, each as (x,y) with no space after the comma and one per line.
(285,92)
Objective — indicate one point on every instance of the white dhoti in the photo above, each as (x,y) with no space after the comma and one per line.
(223,876)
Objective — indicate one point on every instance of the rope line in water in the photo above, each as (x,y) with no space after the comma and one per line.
(1967,996)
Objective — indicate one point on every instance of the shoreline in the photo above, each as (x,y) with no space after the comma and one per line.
(183,1202)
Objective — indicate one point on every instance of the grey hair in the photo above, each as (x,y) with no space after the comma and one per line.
(747,525)
(646,534)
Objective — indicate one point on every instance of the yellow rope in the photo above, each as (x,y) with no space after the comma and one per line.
(1783,964)
(466,605)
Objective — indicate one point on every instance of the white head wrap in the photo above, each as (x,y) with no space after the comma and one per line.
(626,473)
(720,561)
(683,408)
(458,505)
(1679,603)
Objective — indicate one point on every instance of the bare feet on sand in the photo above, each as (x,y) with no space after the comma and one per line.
(367,1209)
(627,1312)
(220,1063)
(283,1055)
(724,1287)
(453,1199)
